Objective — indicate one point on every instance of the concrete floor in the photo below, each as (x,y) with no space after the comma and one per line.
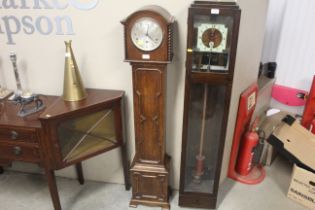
(20,191)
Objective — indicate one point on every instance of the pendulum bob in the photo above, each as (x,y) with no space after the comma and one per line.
(199,169)
(73,89)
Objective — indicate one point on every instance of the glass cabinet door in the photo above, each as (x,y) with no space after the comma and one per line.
(205,116)
(87,134)
(211,42)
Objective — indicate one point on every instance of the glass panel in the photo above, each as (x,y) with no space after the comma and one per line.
(211,46)
(205,117)
(84,135)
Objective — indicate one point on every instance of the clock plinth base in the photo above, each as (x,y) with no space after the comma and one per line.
(150,184)
(134,204)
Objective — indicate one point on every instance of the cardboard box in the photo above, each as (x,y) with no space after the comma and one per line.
(302,187)
(294,142)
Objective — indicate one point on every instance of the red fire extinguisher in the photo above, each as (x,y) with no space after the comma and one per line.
(313,126)
(246,153)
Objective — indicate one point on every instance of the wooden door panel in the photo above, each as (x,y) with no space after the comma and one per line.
(149,109)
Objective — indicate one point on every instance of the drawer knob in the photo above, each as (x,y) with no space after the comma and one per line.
(14,135)
(17,150)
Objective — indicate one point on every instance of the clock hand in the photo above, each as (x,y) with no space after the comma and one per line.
(150,37)
(147,33)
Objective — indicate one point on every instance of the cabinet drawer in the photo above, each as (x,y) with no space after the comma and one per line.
(11,134)
(17,152)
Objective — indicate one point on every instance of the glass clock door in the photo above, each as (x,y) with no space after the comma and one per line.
(205,116)
(211,43)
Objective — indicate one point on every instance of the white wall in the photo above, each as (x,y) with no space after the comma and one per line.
(289,41)
(99,50)
(295,57)
(274,21)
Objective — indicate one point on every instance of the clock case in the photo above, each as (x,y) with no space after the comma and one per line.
(150,167)
(214,85)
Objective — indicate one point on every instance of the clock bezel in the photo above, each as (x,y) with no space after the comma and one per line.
(223,29)
(152,20)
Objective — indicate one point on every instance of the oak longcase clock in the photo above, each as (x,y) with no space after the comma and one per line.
(148,48)
(211,50)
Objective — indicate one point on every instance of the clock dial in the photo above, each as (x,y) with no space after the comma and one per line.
(146,34)
(212,37)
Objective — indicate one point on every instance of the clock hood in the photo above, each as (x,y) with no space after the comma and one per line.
(155,9)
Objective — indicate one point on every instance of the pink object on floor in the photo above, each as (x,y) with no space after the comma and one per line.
(287,95)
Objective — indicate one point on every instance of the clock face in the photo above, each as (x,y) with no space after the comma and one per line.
(212,37)
(146,34)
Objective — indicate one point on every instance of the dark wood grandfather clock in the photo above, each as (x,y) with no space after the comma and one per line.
(148,43)
(211,51)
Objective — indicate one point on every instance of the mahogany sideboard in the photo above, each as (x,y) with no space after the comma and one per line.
(63,134)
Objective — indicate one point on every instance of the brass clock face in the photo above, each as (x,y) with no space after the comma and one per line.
(146,34)
(212,37)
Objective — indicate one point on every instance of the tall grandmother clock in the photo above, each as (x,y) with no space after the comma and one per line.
(148,48)
(211,50)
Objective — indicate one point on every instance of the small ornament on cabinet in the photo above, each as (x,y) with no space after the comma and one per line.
(73,88)
(30,103)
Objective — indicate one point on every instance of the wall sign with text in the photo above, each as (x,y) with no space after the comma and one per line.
(11,25)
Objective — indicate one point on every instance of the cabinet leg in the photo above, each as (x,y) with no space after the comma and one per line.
(78,168)
(1,170)
(125,166)
(53,188)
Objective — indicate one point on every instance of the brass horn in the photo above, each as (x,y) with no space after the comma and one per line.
(73,89)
